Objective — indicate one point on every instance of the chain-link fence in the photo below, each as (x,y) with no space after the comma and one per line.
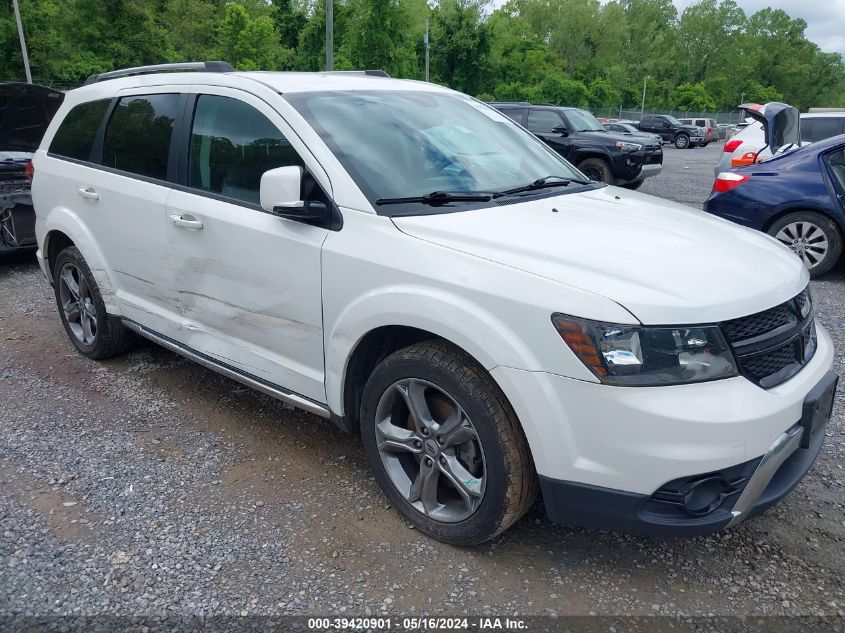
(618,112)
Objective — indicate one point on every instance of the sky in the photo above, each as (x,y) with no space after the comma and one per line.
(825,18)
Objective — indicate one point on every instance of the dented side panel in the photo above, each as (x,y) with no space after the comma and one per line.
(248,286)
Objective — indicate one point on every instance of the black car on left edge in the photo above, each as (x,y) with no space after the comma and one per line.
(581,139)
(25,112)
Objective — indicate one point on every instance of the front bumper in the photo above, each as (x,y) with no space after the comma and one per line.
(651,170)
(762,482)
(626,443)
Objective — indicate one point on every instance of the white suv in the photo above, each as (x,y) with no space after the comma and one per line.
(409,263)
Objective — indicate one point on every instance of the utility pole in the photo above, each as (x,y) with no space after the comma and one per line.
(23,42)
(329,35)
(642,108)
(425,41)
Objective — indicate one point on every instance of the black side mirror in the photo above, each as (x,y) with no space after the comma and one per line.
(561,129)
(310,211)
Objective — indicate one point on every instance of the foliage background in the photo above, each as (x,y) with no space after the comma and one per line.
(573,52)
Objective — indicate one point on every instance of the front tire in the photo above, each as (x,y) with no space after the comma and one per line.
(634,185)
(814,237)
(682,141)
(82,310)
(596,169)
(445,445)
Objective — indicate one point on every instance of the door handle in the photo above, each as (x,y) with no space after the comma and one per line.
(89,192)
(186,221)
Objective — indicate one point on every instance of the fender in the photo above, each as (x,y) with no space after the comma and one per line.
(65,220)
(424,308)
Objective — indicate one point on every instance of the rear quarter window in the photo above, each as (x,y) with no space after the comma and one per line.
(76,133)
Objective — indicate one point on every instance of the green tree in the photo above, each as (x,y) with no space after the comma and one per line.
(603,93)
(377,36)
(559,90)
(461,41)
(691,97)
(289,21)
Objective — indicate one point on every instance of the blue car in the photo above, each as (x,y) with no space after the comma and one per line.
(798,197)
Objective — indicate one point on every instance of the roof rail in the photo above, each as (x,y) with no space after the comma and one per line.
(370,73)
(208,67)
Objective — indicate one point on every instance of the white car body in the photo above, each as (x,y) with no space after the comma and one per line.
(289,303)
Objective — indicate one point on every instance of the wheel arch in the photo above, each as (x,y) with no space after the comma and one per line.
(784,211)
(370,350)
(375,326)
(64,229)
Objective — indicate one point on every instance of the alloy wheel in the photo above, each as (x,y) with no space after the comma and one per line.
(593,173)
(807,240)
(78,304)
(430,450)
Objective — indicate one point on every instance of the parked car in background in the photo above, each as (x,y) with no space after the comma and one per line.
(725,130)
(407,262)
(25,112)
(578,136)
(797,196)
(748,144)
(672,130)
(628,129)
(710,127)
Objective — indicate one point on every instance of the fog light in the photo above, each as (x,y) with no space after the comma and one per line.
(705,495)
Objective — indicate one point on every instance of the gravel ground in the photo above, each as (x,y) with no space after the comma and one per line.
(148,485)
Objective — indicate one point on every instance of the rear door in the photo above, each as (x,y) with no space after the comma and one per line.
(109,164)
(248,282)
(125,200)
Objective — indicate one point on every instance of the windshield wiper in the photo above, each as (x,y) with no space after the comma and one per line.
(542,183)
(438,198)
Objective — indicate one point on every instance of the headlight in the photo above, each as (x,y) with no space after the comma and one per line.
(628,147)
(642,355)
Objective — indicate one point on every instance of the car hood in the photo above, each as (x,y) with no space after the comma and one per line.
(781,123)
(27,111)
(664,262)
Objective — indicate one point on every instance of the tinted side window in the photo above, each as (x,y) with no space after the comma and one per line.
(542,121)
(517,114)
(76,133)
(819,129)
(139,133)
(232,145)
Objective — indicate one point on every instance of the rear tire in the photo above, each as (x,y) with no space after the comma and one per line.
(596,169)
(462,430)
(682,141)
(89,327)
(705,144)
(814,237)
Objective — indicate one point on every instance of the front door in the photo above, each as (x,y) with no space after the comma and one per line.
(541,122)
(248,282)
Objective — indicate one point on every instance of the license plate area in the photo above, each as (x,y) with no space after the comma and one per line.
(818,407)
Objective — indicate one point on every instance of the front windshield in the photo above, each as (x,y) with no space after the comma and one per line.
(398,144)
(673,120)
(583,121)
